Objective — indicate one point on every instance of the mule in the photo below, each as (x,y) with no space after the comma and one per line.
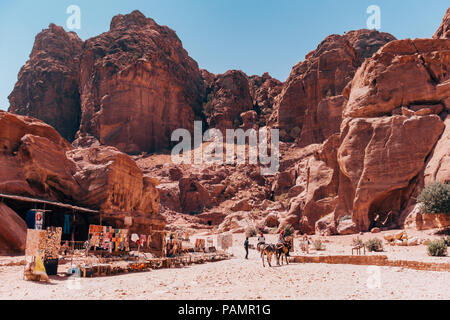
(268,250)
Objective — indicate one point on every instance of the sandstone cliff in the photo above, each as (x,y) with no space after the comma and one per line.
(47,86)
(310,105)
(138,84)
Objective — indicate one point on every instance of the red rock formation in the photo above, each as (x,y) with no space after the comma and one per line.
(438,167)
(32,159)
(47,86)
(193,195)
(13,231)
(321,175)
(112,182)
(264,91)
(311,102)
(227,97)
(402,73)
(443,32)
(36,161)
(378,159)
(138,84)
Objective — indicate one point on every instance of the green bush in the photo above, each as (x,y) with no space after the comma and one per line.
(437,248)
(318,245)
(435,198)
(288,230)
(374,245)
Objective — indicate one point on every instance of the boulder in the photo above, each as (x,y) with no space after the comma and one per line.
(13,231)
(347,227)
(375,230)
(272,221)
(193,195)
(249,120)
(237,222)
(326,226)
(241,205)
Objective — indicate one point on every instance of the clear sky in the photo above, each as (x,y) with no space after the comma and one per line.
(255,36)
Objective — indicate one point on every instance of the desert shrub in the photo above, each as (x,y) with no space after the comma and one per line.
(288,230)
(447,241)
(318,245)
(357,242)
(435,198)
(437,248)
(374,245)
(251,232)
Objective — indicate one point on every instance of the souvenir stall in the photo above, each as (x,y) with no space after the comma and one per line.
(106,239)
(44,245)
(225,241)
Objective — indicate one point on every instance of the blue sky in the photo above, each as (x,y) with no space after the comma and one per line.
(255,36)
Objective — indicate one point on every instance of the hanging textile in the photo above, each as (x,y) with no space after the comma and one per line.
(31,219)
(134,237)
(66,224)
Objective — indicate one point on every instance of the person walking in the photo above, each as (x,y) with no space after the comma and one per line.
(246,248)
(306,243)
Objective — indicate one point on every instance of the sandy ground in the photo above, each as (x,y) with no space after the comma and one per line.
(247,279)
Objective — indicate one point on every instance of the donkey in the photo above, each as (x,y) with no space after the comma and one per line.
(282,249)
(267,250)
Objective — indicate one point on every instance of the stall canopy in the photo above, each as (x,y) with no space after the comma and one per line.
(47,202)
(74,219)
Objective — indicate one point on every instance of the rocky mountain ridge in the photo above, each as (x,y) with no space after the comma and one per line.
(364,124)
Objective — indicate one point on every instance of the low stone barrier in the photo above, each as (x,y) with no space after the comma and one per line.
(375,260)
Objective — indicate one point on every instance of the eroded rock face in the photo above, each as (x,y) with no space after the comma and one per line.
(438,167)
(264,91)
(311,102)
(112,182)
(47,86)
(36,161)
(13,231)
(138,85)
(402,73)
(378,159)
(228,95)
(320,175)
(33,160)
(443,32)
(193,195)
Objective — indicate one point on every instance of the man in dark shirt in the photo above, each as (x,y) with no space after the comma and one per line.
(246,248)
